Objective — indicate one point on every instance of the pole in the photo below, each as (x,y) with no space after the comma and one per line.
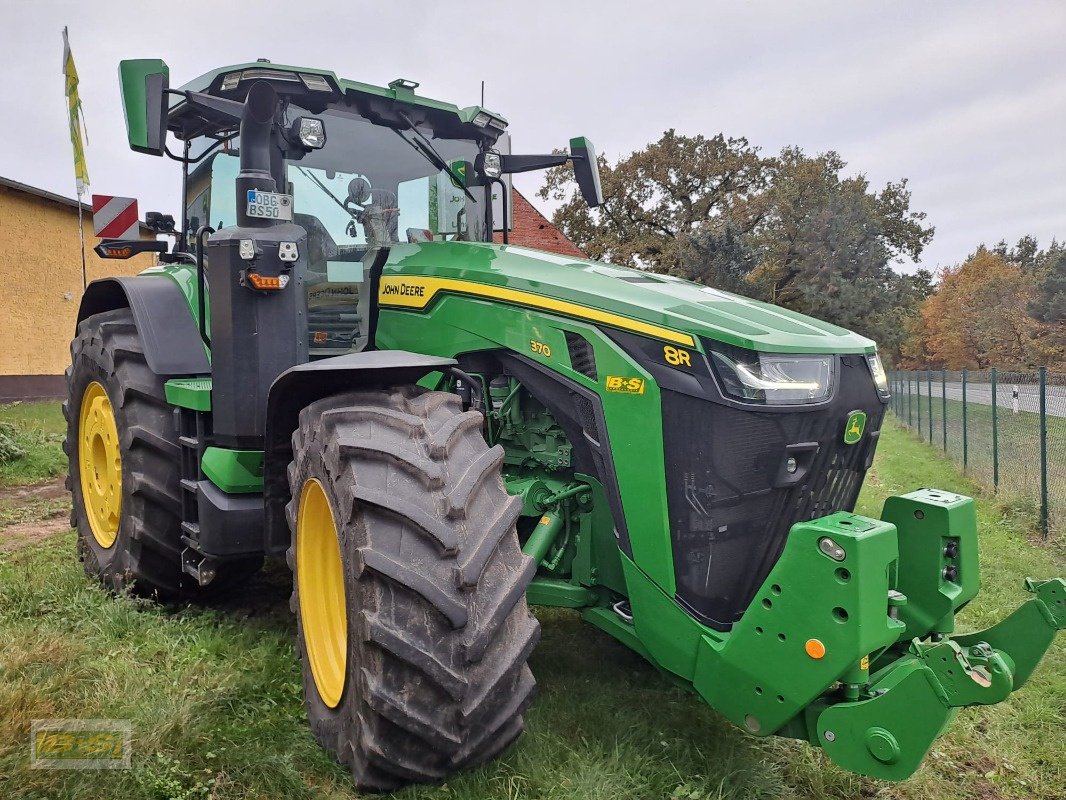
(929,397)
(918,401)
(910,405)
(944,404)
(1044,522)
(965,439)
(81,239)
(995,433)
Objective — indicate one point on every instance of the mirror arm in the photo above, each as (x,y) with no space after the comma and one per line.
(229,110)
(511,163)
(127,248)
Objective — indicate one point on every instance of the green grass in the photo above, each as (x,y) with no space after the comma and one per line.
(36,431)
(215,701)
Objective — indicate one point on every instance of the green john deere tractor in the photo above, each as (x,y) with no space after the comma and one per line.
(438,431)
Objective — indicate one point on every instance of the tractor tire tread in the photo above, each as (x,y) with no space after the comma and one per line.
(426,584)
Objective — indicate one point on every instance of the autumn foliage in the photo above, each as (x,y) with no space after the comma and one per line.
(984,313)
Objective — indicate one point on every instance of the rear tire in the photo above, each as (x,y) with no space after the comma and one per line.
(136,543)
(432,658)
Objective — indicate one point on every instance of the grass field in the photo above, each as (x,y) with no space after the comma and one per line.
(37,429)
(215,702)
(1017,441)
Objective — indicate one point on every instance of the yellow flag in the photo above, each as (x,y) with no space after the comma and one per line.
(77,120)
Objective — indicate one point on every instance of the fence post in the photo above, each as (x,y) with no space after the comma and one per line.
(918,400)
(965,440)
(995,433)
(1044,522)
(929,397)
(910,406)
(944,404)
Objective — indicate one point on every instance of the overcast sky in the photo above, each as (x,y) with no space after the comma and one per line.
(965,99)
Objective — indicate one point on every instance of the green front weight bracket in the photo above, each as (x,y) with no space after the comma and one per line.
(912,698)
(1026,634)
(848,642)
(822,610)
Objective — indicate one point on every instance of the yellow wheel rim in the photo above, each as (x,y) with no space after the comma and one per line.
(320,581)
(99,464)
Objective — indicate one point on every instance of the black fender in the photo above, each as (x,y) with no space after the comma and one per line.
(301,385)
(171,339)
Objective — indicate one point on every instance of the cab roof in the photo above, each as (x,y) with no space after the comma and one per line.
(320,88)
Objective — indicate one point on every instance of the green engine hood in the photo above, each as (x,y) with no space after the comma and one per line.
(559,283)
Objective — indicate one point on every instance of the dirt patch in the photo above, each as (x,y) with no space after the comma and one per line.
(49,490)
(26,533)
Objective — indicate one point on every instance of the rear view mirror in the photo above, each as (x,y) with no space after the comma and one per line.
(144,99)
(586,170)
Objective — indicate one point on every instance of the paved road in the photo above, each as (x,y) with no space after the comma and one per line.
(1028,395)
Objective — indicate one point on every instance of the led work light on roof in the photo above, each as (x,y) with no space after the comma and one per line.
(488,164)
(481,119)
(308,131)
(316,83)
(233,79)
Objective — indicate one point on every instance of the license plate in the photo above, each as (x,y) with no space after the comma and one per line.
(269,205)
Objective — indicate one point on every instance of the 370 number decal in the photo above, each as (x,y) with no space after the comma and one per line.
(540,348)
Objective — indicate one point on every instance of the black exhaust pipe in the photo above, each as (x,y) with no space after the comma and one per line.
(255,335)
(257,125)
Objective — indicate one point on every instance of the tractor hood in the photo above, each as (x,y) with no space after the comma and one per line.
(658,305)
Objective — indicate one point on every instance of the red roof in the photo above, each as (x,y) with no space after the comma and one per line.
(530,228)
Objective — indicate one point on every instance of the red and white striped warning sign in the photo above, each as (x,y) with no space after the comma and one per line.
(115,217)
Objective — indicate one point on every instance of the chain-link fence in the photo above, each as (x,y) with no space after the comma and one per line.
(1008,429)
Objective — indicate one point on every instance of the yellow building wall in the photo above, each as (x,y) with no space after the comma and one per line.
(41,282)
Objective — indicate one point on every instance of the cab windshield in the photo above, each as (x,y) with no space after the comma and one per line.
(368,187)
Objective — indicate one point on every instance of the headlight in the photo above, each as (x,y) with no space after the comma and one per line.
(877,370)
(773,379)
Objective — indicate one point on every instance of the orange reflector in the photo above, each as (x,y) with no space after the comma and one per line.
(320,337)
(815,649)
(264,281)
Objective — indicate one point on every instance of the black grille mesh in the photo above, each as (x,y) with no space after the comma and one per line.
(729,508)
(582,358)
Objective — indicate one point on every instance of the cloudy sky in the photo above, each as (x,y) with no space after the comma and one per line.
(965,99)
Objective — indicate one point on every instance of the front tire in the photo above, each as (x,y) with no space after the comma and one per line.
(409,586)
(123,475)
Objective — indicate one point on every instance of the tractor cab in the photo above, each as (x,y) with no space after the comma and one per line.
(364,171)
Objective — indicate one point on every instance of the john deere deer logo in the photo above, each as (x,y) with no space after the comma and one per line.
(855,426)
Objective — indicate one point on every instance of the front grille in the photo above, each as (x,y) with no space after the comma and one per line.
(731,503)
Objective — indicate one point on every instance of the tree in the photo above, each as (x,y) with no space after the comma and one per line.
(977,318)
(827,244)
(790,230)
(1023,255)
(717,254)
(664,201)
(1049,302)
